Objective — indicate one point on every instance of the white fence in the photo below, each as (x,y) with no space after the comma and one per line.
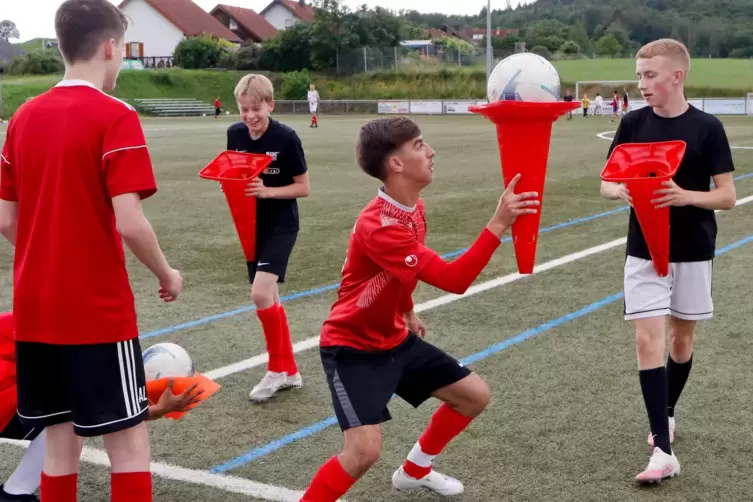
(716,106)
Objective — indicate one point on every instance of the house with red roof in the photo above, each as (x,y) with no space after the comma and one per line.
(283,14)
(156,27)
(245,23)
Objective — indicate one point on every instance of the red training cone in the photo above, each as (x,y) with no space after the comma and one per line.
(524,130)
(643,167)
(155,389)
(234,170)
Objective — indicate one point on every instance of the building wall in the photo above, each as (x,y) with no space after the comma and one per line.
(280,17)
(146,25)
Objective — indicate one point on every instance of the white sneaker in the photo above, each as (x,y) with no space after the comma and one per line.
(671,433)
(435,481)
(268,387)
(292,382)
(660,466)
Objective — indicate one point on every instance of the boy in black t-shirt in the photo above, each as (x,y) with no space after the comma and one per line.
(276,190)
(685,295)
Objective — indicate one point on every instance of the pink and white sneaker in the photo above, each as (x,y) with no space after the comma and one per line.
(660,466)
(671,433)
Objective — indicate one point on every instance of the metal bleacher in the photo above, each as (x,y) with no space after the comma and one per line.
(178,107)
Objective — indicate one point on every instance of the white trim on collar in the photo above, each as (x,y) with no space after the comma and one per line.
(381,193)
(75,82)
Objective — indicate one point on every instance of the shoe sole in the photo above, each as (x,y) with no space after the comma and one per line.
(282,388)
(655,481)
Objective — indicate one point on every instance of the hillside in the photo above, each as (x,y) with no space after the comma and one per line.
(717,78)
(710,28)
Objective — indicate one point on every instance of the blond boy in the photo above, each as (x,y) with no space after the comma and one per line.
(684,297)
(277,224)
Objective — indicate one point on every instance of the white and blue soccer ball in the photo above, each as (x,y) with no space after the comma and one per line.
(167,360)
(524,77)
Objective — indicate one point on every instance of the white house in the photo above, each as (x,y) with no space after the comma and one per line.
(155,27)
(283,14)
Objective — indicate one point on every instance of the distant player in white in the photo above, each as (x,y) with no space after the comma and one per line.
(598,103)
(313,98)
(677,302)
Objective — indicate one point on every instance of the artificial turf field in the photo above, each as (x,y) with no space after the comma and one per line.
(566,420)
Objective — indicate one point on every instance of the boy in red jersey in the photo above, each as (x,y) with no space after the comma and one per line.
(27,476)
(74,170)
(372,344)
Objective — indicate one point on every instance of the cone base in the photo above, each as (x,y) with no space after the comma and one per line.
(524,132)
(156,388)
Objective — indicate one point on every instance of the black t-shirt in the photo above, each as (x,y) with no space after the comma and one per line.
(692,229)
(273,216)
(568,98)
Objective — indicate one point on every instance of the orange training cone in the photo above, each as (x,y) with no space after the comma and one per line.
(234,170)
(524,130)
(643,167)
(155,389)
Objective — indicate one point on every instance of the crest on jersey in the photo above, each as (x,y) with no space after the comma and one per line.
(411,260)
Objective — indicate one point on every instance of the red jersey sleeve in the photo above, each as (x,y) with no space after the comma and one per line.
(395,249)
(7,187)
(126,160)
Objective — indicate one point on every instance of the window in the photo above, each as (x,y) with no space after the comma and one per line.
(233,24)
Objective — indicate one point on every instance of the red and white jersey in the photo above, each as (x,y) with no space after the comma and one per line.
(67,153)
(385,255)
(313,97)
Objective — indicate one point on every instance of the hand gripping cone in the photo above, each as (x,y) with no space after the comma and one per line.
(643,167)
(234,170)
(524,131)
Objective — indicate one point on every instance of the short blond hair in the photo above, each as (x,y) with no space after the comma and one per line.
(666,47)
(255,86)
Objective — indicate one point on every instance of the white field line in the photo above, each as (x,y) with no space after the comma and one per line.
(223,482)
(310,343)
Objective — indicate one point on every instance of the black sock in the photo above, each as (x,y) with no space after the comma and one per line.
(654,388)
(677,375)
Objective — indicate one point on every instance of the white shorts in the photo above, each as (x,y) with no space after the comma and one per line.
(313,107)
(685,293)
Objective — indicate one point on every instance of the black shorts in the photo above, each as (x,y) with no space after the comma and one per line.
(18,430)
(101,388)
(363,382)
(217,111)
(272,254)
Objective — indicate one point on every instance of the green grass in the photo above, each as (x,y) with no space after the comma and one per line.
(566,421)
(734,74)
(34,44)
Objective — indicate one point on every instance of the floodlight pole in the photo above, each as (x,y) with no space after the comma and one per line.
(489,54)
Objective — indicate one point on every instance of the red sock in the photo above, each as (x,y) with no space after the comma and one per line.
(270,323)
(443,427)
(288,356)
(314,121)
(329,484)
(59,488)
(131,486)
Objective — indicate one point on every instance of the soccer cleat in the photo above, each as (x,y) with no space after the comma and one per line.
(7,497)
(292,382)
(660,466)
(434,481)
(671,433)
(268,387)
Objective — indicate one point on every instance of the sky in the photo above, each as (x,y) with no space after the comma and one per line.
(35,18)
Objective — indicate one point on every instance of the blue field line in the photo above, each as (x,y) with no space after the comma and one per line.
(333,287)
(305,432)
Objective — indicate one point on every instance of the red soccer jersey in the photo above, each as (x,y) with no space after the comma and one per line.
(66,154)
(7,371)
(385,255)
